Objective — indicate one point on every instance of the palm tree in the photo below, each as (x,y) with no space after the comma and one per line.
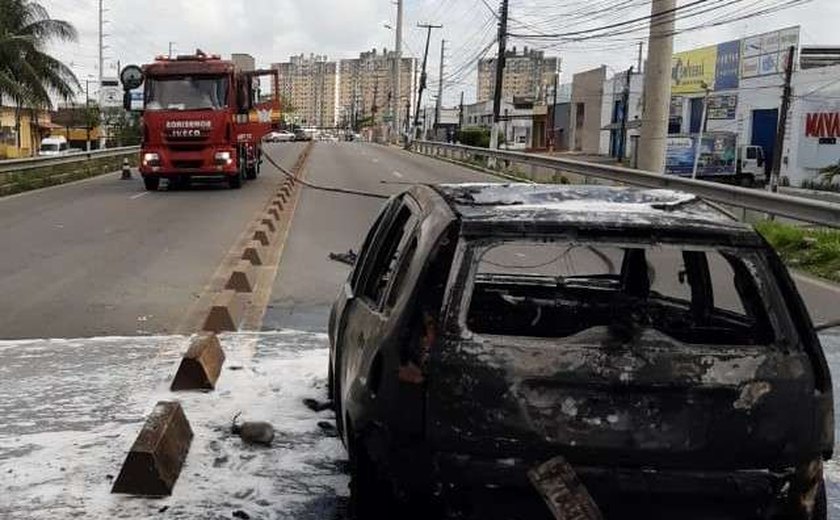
(28,74)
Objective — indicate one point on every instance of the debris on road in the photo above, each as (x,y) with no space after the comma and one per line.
(253,432)
(348,258)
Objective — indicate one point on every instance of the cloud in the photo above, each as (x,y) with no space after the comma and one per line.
(273,30)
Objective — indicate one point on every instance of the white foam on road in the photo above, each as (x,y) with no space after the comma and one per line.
(72,409)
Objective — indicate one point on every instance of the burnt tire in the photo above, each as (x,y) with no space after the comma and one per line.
(820,503)
(371,498)
(151,183)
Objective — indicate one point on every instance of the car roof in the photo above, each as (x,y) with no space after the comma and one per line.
(486,208)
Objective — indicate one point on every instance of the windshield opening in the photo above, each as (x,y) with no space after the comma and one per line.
(49,147)
(553,290)
(187,93)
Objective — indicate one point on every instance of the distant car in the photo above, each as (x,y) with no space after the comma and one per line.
(303,135)
(52,146)
(658,345)
(281,136)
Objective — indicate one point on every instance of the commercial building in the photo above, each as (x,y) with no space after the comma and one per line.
(21,138)
(529,74)
(586,108)
(740,82)
(366,87)
(309,87)
(522,122)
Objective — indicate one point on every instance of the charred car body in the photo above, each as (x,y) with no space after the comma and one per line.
(657,345)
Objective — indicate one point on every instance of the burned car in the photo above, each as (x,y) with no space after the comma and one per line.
(656,344)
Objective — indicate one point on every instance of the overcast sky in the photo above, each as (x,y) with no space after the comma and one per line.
(272,30)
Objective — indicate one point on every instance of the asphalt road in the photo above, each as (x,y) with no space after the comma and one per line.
(103,257)
(308,281)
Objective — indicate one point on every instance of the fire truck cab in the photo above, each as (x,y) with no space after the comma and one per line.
(201,118)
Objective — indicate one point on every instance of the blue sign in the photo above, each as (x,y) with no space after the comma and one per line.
(728,66)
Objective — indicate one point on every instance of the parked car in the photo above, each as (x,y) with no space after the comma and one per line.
(52,146)
(658,345)
(281,136)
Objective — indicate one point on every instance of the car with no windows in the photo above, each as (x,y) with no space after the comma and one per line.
(656,344)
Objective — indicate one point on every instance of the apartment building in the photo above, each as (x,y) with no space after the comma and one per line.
(366,86)
(528,73)
(309,85)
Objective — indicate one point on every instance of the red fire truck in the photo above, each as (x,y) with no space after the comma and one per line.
(201,118)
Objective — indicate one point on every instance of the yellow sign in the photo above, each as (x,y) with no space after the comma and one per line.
(690,70)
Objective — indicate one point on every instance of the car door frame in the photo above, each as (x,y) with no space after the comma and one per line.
(351,359)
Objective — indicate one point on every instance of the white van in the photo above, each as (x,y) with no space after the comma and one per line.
(54,146)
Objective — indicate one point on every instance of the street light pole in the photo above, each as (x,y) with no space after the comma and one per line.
(398,72)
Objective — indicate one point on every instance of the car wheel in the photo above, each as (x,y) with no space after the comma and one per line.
(747,181)
(371,497)
(151,183)
(820,503)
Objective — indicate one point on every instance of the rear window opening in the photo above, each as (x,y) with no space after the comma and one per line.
(555,290)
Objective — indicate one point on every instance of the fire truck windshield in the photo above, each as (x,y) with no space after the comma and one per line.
(187,93)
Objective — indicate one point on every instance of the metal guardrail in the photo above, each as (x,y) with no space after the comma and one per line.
(21,165)
(797,208)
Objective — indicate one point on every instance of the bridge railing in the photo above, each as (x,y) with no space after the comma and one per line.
(22,165)
(797,208)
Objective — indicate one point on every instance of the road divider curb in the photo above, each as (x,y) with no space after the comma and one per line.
(154,462)
(275,214)
(254,253)
(226,313)
(269,222)
(201,365)
(262,237)
(242,278)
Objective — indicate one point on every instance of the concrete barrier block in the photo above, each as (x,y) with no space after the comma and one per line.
(157,455)
(269,222)
(254,253)
(262,237)
(201,365)
(277,203)
(226,313)
(242,278)
(274,214)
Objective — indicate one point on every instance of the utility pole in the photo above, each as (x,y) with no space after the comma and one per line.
(625,104)
(397,124)
(639,62)
(461,113)
(698,146)
(783,116)
(553,136)
(422,84)
(500,71)
(101,46)
(439,103)
(657,90)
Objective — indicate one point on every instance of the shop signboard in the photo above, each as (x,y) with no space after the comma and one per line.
(728,65)
(691,70)
(722,106)
(764,54)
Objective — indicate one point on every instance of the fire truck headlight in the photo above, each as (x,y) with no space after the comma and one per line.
(151,159)
(223,158)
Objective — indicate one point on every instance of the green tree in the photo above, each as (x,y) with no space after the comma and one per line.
(29,76)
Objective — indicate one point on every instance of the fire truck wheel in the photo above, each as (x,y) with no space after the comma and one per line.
(235,182)
(252,172)
(151,183)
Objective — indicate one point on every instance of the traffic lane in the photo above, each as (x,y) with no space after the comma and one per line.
(821,297)
(106,257)
(308,282)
